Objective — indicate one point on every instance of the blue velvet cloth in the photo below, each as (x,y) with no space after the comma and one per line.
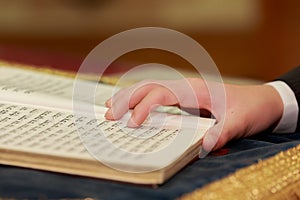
(34,184)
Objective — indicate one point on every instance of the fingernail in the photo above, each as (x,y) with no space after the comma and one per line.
(202,152)
(131,123)
(108,114)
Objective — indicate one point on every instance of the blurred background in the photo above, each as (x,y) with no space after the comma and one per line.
(257,39)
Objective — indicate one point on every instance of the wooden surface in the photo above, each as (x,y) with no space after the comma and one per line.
(262,52)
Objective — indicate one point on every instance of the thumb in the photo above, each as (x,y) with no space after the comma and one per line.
(214,138)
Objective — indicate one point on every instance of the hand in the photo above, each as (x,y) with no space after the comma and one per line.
(248,109)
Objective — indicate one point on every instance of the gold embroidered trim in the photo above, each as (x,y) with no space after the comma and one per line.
(275,178)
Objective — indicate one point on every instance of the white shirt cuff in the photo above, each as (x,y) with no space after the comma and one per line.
(288,121)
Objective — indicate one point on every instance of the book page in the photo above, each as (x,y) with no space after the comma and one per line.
(37,88)
(53,132)
(46,87)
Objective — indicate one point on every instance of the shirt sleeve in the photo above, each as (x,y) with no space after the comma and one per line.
(288,121)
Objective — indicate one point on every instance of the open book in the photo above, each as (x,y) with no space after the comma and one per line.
(41,129)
